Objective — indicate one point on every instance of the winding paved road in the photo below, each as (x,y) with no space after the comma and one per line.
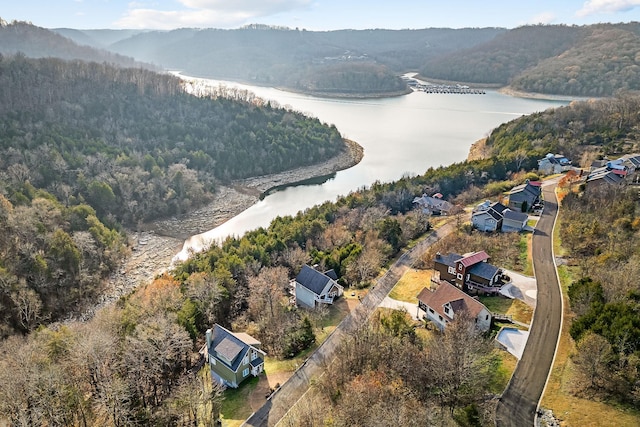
(295,387)
(519,402)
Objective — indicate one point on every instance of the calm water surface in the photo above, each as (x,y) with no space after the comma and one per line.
(400,135)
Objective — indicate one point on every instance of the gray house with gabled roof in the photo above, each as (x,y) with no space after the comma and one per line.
(232,357)
(313,287)
(523,197)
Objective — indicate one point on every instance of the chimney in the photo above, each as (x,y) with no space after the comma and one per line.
(208,334)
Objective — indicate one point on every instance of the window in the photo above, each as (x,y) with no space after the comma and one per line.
(431,310)
(440,317)
(254,355)
(245,372)
(245,360)
(446,310)
(459,276)
(460,267)
(451,270)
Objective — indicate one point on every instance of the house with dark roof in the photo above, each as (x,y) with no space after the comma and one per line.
(554,163)
(623,170)
(606,176)
(232,357)
(514,221)
(443,304)
(488,216)
(523,197)
(312,287)
(470,272)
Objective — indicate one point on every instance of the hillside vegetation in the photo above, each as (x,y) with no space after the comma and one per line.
(132,144)
(345,62)
(86,148)
(595,60)
(606,126)
(36,42)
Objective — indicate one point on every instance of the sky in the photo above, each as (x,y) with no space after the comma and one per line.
(315,15)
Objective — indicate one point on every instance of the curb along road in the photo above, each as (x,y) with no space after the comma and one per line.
(519,402)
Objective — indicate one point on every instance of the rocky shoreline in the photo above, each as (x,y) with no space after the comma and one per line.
(153,248)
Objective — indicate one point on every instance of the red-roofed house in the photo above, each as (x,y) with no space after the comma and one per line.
(470,272)
(446,302)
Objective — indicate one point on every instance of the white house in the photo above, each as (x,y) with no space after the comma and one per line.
(442,305)
(313,287)
(487,216)
(554,163)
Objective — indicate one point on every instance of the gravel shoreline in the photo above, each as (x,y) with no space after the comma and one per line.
(153,248)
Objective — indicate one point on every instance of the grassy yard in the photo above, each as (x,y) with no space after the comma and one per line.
(515,308)
(410,285)
(235,409)
(526,257)
(503,365)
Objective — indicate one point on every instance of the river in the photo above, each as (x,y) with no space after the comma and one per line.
(400,135)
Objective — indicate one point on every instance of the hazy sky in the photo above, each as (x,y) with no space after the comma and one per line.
(316,14)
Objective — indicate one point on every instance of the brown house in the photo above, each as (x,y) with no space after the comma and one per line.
(470,272)
(442,305)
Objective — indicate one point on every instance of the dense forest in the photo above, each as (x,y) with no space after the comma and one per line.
(606,126)
(87,148)
(600,227)
(132,144)
(345,62)
(596,60)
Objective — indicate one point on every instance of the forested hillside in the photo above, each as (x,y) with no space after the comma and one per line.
(598,230)
(132,144)
(36,42)
(595,60)
(348,62)
(86,148)
(606,126)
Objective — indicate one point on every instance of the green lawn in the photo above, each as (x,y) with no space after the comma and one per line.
(503,364)
(410,285)
(235,409)
(515,308)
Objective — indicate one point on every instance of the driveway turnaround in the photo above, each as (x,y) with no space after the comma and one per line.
(513,340)
(519,402)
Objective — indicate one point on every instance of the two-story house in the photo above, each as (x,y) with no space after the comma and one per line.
(443,304)
(232,357)
(470,272)
(433,205)
(523,197)
(554,163)
(487,216)
(492,217)
(312,287)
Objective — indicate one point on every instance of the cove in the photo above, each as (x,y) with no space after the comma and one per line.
(401,136)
